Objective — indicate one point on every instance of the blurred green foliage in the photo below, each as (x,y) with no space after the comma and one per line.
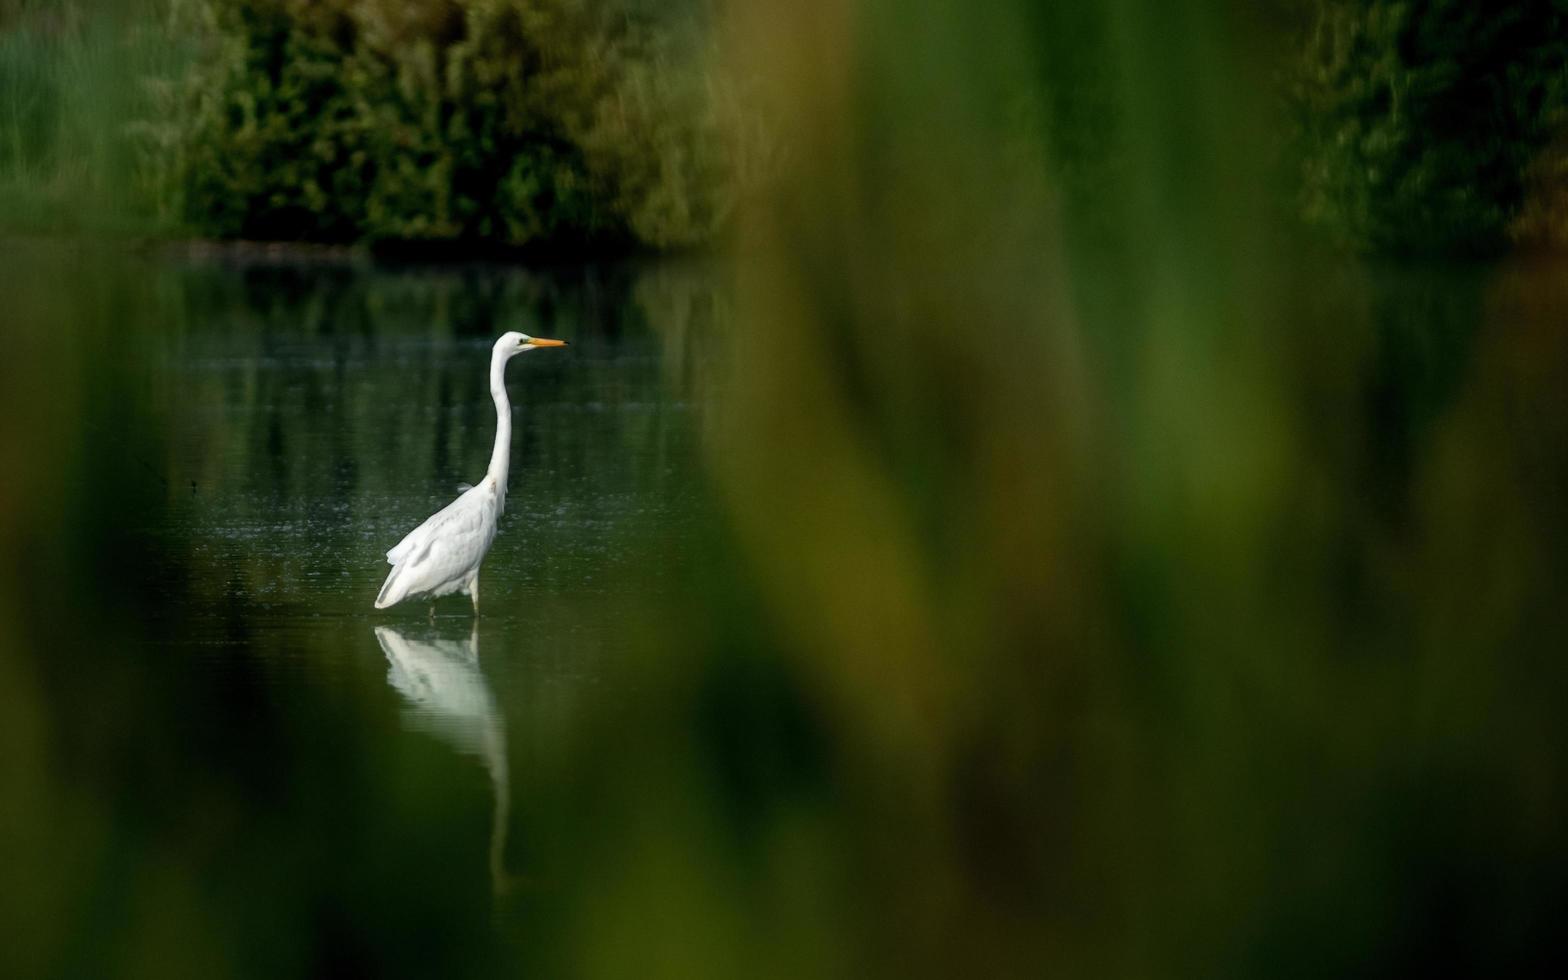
(74,84)
(567,122)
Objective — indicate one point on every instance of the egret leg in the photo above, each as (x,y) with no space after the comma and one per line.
(473,593)
(432,610)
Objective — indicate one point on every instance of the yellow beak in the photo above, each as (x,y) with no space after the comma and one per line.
(541,342)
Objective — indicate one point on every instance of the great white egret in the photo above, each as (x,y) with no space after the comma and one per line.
(442,555)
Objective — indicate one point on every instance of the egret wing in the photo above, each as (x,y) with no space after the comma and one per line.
(448,551)
(414,538)
(439,556)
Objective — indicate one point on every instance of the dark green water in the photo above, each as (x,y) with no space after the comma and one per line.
(327,781)
(801,652)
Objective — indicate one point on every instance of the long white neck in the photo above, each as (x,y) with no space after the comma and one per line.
(501,456)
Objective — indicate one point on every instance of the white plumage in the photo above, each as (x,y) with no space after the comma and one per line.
(443,555)
(442,682)
(449,697)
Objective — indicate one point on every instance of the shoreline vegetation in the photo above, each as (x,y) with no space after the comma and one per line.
(580,129)
(484,128)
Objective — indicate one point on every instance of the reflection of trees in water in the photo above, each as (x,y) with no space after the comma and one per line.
(682,302)
(341,397)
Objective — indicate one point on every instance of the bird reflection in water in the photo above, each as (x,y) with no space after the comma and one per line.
(448,696)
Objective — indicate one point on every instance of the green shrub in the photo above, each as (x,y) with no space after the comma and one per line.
(1419,119)
(490,121)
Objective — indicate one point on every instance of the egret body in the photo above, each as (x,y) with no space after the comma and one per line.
(442,555)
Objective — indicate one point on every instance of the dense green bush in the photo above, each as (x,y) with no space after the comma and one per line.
(1421,118)
(559,122)
(1421,125)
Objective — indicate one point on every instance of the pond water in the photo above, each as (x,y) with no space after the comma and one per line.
(1261,644)
(255,737)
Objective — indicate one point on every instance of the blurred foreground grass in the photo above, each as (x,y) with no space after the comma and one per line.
(1129,589)
(74,85)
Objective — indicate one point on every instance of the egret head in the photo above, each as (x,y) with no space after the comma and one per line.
(512,343)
